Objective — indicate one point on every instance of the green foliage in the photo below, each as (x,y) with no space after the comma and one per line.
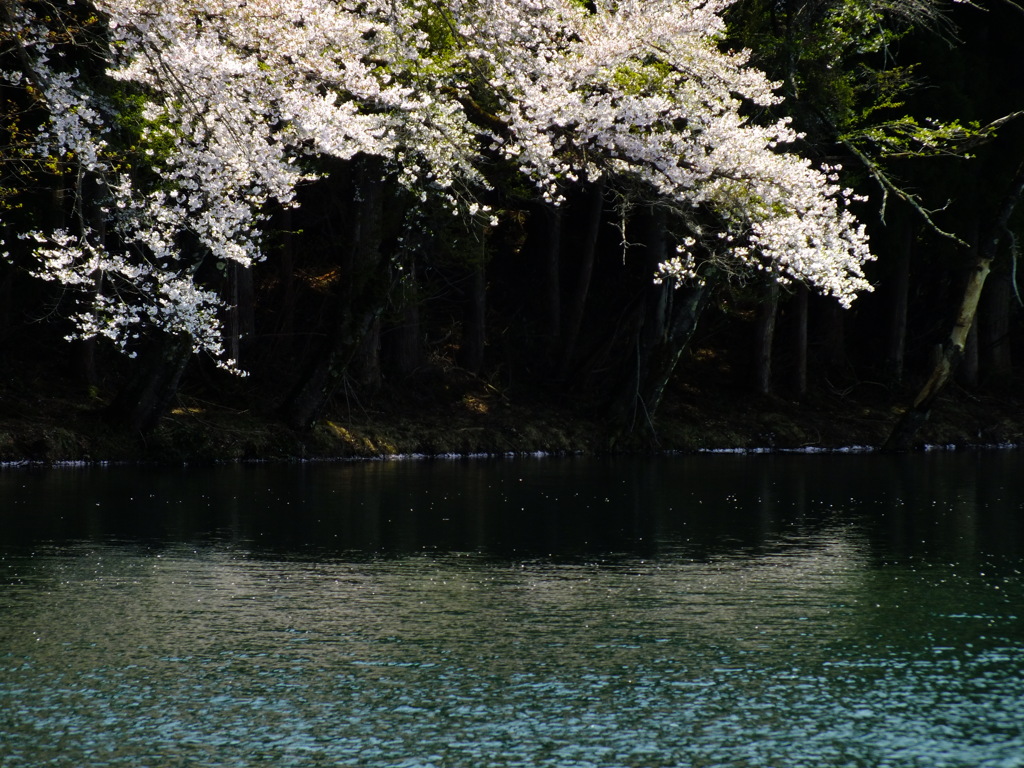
(832,57)
(139,134)
(636,79)
(440,30)
(842,69)
(904,136)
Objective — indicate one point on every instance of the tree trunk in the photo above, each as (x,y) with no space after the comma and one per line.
(994,330)
(767,312)
(6,298)
(365,282)
(835,336)
(366,369)
(898,306)
(95,230)
(902,436)
(950,355)
(581,287)
(474,318)
(552,291)
(242,317)
(85,360)
(401,344)
(284,327)
(967,374)
(670,316)
(637,402)
(150,391)
(966,371)
(800,334)
(333,364)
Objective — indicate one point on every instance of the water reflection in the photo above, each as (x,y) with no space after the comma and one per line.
(729,611)
(209,656)
(936,506)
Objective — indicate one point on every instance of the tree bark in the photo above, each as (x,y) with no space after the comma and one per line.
(968,371)
(767,312)
(143,401)
(800,334)
(401,344)
(92,225)
(994,329)
(474,318)
(899,305)
(584,274)
(670,316)
(552,291)
(366,367)
(835,336)
(950,355)
(6,297)
(358,306)
(242,318)
(284,327)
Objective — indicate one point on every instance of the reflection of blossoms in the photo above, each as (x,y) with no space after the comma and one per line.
(236,94)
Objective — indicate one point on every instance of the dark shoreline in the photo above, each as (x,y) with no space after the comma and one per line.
(50,430)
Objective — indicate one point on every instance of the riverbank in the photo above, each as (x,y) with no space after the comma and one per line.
(51,425)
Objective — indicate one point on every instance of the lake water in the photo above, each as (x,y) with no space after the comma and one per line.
(789,611)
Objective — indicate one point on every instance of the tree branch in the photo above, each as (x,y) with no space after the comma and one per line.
(888,185)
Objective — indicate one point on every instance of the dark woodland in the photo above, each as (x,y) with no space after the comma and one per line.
(546,333)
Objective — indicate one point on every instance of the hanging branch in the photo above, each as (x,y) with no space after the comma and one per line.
(959,148)
(888,185)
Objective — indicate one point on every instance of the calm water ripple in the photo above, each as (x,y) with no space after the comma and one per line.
(811,634)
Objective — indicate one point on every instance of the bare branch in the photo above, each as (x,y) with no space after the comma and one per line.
(888,185)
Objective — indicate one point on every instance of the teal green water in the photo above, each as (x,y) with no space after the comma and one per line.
(716,611)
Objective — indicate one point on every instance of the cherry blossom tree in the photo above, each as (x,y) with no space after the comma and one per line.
(238,103)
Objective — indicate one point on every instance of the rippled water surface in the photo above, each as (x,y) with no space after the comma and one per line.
(706,611)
